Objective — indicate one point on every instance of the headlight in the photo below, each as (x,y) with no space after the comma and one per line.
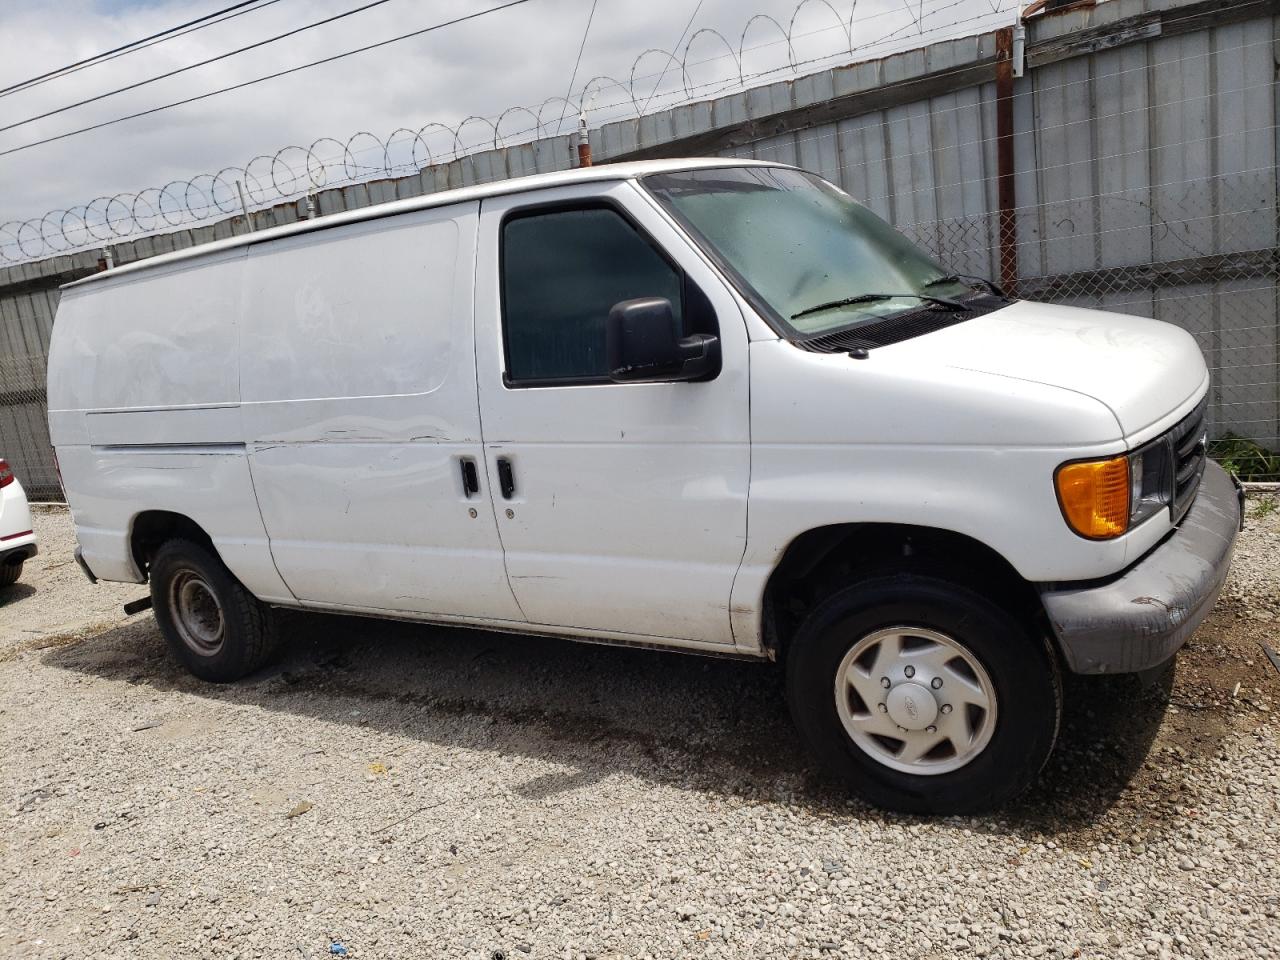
(1101,499)
(1151,481)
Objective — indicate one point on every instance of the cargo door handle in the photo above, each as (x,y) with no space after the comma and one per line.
(506,478)
(470,477)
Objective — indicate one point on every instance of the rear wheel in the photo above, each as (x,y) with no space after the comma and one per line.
(10,572)
(923,695)
(215,627)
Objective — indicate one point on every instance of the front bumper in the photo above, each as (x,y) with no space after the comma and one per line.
(1139,620)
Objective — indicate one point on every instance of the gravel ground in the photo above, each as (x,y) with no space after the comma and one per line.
(420,792)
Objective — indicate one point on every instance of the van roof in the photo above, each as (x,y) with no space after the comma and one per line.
(541,181)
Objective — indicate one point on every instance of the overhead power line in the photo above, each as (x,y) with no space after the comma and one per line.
(183,28)
(269,76)
(667,63)
(577,63)
(192,66)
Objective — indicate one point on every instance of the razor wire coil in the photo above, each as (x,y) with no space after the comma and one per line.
(296,170)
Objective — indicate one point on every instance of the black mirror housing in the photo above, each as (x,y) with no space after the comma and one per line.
(644,345)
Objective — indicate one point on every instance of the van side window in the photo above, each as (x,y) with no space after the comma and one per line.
(562,271)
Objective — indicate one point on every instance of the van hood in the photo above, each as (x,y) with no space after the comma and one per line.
(1141,369)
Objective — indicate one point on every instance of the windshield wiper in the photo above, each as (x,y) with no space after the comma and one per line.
(876,298)
(964,278)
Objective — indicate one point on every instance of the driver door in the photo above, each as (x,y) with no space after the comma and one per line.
(622,508)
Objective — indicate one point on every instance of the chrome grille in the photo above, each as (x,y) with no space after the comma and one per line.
(1187,441)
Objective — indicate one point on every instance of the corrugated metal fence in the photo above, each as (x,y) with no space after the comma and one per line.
(1145,140)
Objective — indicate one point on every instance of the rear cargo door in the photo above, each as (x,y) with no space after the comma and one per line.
(360,412)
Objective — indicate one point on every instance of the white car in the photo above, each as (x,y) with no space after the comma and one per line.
(704,405)
(17,538)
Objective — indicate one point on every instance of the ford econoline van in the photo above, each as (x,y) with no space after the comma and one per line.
(707,405)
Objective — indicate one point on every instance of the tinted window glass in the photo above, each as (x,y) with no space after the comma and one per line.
(561,273)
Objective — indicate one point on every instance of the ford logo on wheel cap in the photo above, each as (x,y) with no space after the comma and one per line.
(911,706)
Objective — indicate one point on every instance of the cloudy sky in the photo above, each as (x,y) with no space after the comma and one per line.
(518,56)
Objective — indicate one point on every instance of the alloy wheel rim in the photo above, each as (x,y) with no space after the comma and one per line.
(196,613)
(915,700)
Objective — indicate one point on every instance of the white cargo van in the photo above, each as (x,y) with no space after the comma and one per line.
(714,406)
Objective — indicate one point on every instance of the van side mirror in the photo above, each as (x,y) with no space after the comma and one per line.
(643,345)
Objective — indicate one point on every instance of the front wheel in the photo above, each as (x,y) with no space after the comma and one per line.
(924,696)
(215,627)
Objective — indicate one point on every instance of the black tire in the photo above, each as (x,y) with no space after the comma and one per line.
(1021,668)
(10,572)
(247,634)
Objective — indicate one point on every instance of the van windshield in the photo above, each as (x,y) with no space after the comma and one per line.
(814,258)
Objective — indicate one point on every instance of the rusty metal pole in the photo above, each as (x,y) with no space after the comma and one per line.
(584,142)
(1005,184)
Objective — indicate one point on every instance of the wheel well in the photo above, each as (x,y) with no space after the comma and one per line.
(151,528)
(823,560)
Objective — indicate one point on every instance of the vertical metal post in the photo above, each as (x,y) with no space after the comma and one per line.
(584,142)
(1019,47)
(1005,161)
(248,221)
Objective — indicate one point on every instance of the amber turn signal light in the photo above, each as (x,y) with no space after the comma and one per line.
(1094,496)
